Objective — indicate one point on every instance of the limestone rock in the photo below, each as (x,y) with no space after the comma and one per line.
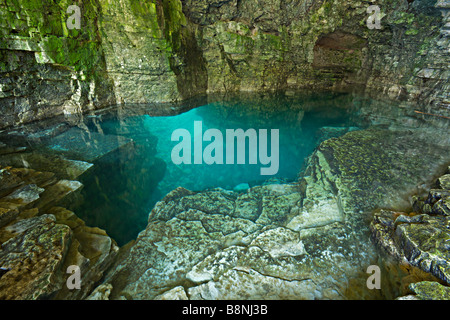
(420,239)
(40,241)
(190,240)
(368,169)
(9,181)
(176,293)
(430,290)
(33,260)
(102,292)
(444,182)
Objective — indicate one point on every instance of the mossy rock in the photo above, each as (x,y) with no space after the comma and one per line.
(430,290)
(378,167)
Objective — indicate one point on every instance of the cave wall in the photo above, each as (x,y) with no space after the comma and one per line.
(128,51)
(45,68)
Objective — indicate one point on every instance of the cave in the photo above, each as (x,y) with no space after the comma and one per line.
(108,190)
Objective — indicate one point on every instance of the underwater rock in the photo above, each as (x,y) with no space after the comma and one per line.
(56,164)
(241,187)
(84,145)
(208,240)
(58,194)
(309,236)
(25,195)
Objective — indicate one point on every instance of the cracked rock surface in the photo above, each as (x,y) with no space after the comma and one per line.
(302,240)
(420,238)
(232,252)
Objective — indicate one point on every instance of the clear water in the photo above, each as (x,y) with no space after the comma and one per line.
(126,183)
(131,146)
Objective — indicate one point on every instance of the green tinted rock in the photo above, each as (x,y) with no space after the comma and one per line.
(429,290)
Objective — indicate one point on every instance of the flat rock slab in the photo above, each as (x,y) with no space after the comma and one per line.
(378,168)
(57,164)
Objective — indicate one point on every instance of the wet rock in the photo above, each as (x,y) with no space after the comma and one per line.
(55,164)
(376,168)
(176,293)
(58,194)
(83,145)
(40,241)
(420,239)
(444,182)
(430,290)
(34,259)
(25,195)
(102,292)
(7,150)
(7,215)
(221,252)
(408,297)
(8,181)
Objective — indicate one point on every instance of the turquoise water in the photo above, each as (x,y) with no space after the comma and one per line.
(125,183)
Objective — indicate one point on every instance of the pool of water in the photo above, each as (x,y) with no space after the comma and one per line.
(136,160)
(126,182)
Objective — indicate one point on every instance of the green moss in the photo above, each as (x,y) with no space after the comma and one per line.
(403,17)
(411,32)
(430,290)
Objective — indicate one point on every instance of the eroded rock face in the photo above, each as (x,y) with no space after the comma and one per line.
(163,51)
(419,238)
(40,240)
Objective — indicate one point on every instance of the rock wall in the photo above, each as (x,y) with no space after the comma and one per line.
(164,51)
(47,69)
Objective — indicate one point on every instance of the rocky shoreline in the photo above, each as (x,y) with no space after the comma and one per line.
(40,238)
(309,239)
(420,238)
